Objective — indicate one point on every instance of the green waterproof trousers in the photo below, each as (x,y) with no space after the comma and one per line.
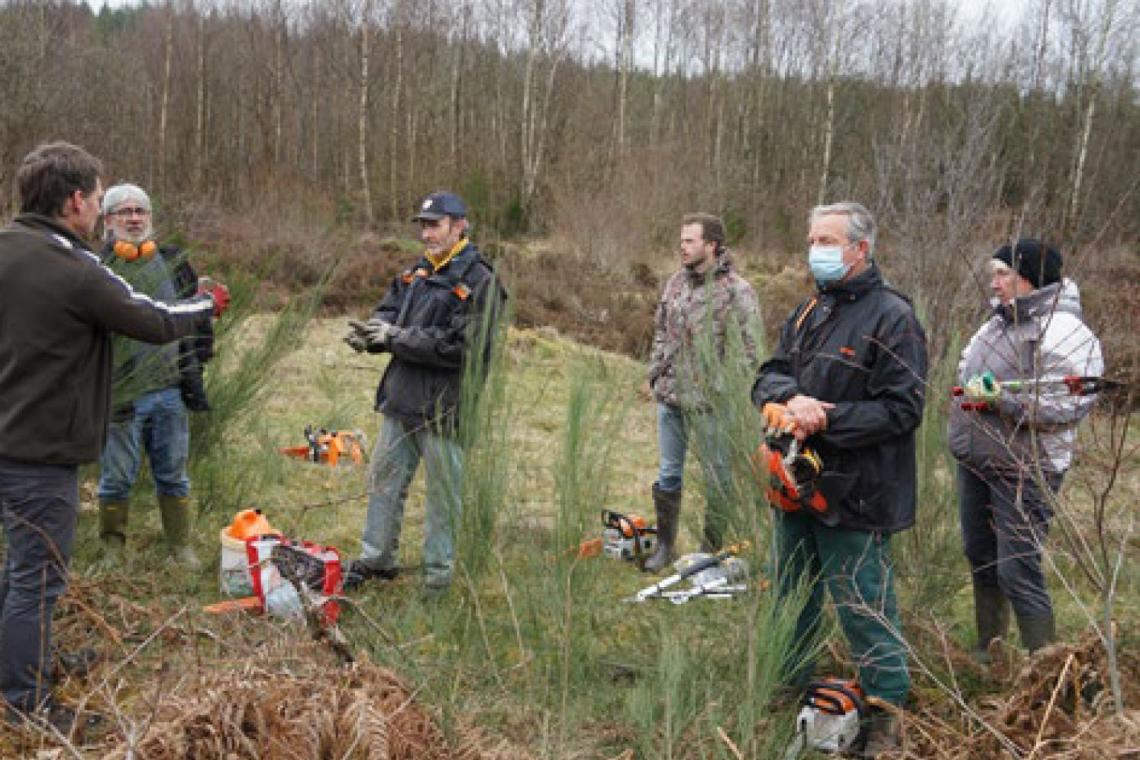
(855,567)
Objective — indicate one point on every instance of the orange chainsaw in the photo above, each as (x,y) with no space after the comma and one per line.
(329,447)
(625,537)
(790,469)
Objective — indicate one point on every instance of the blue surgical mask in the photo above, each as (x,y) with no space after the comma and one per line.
(826,262)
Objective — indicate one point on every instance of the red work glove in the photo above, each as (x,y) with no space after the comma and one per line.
(217,291)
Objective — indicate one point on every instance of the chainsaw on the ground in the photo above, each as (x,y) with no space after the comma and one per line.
(627,537)
(329,447)
(624,537)
(830,719)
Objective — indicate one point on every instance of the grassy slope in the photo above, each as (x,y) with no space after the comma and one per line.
(536,647)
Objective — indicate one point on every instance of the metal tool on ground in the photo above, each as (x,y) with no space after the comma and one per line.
(718,589)
(830,718)
(1072,385)
(329,447)
(689,570)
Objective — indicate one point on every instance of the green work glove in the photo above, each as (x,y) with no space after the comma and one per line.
(356,339)
(983,388)
(375,334)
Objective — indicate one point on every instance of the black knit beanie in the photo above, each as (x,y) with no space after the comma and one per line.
(1037,262)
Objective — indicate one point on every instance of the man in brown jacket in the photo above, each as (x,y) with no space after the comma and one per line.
(58,308)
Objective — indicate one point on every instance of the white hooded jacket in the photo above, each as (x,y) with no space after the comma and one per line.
(1041,337)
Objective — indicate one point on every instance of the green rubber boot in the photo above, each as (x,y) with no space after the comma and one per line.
(113,516)
(175,511)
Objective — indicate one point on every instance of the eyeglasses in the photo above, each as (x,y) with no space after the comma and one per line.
(132,211)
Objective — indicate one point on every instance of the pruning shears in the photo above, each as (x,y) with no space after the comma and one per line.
(1073,385)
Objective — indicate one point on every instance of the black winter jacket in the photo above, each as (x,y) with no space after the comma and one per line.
(859,346)
(58,308)
(441,316)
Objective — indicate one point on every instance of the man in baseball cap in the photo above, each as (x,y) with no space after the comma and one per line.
(438,315)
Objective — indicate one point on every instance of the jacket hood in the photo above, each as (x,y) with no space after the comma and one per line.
(1058,297)
(722,265)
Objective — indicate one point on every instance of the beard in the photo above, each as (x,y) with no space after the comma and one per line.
(147,233)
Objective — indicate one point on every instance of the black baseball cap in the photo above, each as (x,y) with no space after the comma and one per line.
(439,205)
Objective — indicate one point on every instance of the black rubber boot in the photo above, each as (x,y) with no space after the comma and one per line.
(991,616)
(667,504)
(1036,632)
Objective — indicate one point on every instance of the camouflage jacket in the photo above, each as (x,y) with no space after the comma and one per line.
(694,308)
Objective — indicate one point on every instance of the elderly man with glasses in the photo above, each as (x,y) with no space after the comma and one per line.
(154,386)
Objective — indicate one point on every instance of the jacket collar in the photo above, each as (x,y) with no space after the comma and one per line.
(53,228)
(856,288)
(1035,304)
(722,265)
(456,265)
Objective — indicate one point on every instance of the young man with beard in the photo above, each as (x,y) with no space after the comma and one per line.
(703,307)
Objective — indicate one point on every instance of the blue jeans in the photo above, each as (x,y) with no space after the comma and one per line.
(39,504)
(674,426)
(1005,519)
(856,569)
(396,456)
(161,427)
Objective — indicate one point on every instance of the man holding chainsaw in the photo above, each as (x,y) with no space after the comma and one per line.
(59,306)
(437,321)
(154,386)
(707,311)
(1027,377)
(842,396)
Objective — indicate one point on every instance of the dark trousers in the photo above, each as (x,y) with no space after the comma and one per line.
(1005,518)
(39,505)
(856,569)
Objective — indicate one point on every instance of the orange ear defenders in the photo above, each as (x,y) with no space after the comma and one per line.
(128,251)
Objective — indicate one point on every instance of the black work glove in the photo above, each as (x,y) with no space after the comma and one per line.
(123,413)
(193,392)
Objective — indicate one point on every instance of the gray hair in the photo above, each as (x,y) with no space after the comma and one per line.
(121,193)
(860,223)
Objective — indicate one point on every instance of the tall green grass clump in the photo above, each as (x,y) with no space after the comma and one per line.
(484,417)
(249,348)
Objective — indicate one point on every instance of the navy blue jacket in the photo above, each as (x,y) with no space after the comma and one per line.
(443,318)
(859,346)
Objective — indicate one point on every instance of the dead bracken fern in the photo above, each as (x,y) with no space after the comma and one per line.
(1059,706)
(362,711)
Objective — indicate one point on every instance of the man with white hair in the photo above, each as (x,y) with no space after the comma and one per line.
(154,386)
